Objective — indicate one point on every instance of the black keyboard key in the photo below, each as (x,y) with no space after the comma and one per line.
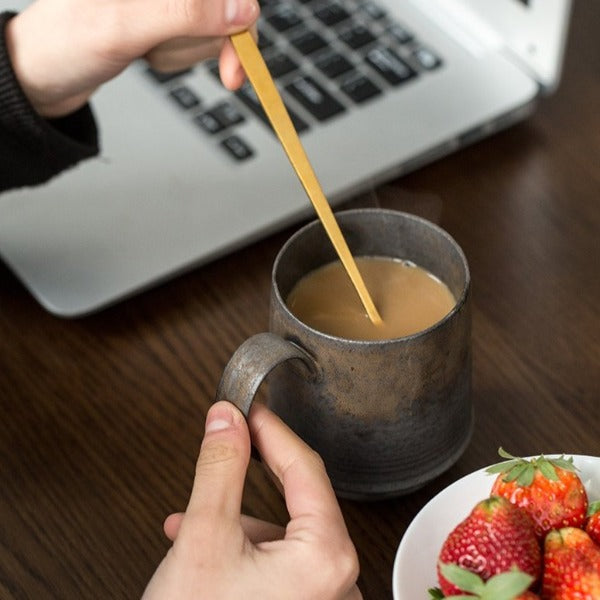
(162,77)
(248,96)
(280,65)
(373,11)
(331,14)
(426,59)
(360,88)
(209,123)
(184,97)
(212,65)
(299,124)
(237,147)
(264,41)
(389,65)
(333,64)
(308,41)
(220,117)
(228,114)
(400,33)
(283,18)
(320,103)
(357,36)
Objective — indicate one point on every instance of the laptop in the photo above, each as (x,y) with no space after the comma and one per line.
(189,171)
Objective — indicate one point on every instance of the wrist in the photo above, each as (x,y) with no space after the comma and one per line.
(31,72)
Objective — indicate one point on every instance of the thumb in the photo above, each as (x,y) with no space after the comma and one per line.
(221,466)
(190,18)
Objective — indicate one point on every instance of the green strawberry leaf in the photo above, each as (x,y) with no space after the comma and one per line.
(502,586)
(502,467)
(506,465)
(504,454)
(564,463)
(463,579)
(506,586)
(593,508)
(525,479)
(515,472)
(547,469)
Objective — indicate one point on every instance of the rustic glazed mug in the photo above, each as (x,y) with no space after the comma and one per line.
(386,416)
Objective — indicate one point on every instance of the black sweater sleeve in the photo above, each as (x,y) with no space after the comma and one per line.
(34,149)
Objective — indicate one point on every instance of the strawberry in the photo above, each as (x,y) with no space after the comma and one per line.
(495,537)
(571,566)
(592,525)
(549,489)
(510,585)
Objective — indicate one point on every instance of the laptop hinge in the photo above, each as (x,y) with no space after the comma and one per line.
(467,28)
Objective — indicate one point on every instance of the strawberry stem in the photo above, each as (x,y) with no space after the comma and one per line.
(523,470)
(502,586)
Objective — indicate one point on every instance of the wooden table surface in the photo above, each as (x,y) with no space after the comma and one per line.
(101,418)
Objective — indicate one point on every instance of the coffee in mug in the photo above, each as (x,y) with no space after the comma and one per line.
(408,298)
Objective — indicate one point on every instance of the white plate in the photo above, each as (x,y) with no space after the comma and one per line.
(415,564)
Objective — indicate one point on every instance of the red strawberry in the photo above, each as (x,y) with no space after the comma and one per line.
(549,489)
(571,566)
(510,585)
(592,525)
(495,537)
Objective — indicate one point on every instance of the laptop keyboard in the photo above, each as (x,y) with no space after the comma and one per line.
(328,58)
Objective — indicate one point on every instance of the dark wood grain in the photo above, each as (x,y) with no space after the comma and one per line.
(101,418)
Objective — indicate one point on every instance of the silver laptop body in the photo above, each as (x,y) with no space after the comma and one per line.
(172,190)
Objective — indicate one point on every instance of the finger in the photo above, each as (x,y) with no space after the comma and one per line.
(316,528)
(354,594)
(181,53)
(230,69)
(259,531)
(221,467)
(300,470)
(172,524)
(197,18)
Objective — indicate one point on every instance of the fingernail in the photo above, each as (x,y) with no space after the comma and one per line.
(240,11)
(218,419)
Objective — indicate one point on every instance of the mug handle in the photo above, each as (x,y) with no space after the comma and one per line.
(252,362)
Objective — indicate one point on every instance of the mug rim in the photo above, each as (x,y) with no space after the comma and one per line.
(402,339)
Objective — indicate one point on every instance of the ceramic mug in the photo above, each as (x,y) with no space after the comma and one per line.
(386,416)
